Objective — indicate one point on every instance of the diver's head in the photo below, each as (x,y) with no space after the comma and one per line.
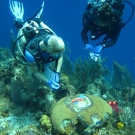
(53,44)
(104,15)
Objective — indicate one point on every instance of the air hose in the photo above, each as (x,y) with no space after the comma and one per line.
(132,11)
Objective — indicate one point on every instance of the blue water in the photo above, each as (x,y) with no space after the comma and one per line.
(65,18)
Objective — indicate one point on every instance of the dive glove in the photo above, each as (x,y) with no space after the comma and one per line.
(94,52)
(98,48)
(53,85)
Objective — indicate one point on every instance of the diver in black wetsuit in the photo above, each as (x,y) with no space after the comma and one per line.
(102,18)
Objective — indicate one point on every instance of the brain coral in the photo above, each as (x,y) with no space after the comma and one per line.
(65,112)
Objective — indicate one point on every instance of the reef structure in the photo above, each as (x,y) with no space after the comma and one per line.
(81,113)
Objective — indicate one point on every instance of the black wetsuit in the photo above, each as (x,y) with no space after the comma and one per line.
(111,32)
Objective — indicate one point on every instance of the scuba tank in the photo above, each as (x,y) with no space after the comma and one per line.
(25,34)
(25,37)
(31,28)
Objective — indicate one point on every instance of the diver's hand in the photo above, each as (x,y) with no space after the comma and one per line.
(94,52)
(53,85)
(98,49)
(88,47)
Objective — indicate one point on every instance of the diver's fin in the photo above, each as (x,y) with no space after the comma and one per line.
(16,9)
(41,10)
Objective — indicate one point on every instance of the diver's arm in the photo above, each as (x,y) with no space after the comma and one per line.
(87,22)
(59,65)
(87,10)
(87,14)
(109,43)
(38,74)
(35,70)
(113,38)
(84,35)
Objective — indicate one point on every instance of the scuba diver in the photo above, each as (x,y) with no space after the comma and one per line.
(37,46)
(102,17)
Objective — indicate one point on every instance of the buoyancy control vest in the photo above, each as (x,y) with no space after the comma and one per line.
(33,47)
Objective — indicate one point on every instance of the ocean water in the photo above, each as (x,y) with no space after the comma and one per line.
(65,18)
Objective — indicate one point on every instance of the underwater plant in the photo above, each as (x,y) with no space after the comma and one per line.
(86,71)
(121,78)
(67,67)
